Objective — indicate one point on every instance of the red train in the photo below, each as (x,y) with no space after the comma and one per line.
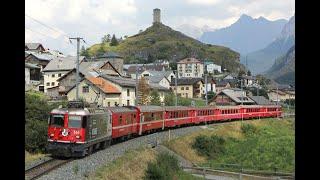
(77,131)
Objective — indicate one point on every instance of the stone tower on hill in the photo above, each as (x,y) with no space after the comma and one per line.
(156,15)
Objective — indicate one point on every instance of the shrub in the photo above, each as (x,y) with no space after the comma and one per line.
(248,129)
(165,167)
(36,136)
(209,146)
(37,112)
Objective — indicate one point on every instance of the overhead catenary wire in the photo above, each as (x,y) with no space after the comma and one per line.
(37,32)
(54,29)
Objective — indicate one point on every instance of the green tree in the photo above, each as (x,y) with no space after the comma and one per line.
(173,66)
(114,41)
(143,91)
(211,94)
(84,52)
(155,98)
(169,99)
(100,50)
(37,112)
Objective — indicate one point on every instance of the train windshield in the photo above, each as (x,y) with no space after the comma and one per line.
(57,120)
(74,121)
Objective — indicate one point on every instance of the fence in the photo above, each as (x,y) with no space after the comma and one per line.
(240,173)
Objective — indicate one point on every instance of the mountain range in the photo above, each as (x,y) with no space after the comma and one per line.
(283,69)
(246,34)
(261,60)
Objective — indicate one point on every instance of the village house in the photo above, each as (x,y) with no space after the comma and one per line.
(231,97)
(39,59)
(280,95)
(211,85)
(261,100)
(212,68)
(32,77)
(140,68)
(86,69)
(189,87)
(220,85)
(190,68)
(248,81)
(97,90)
(162,78)
(57,68)
(115,59)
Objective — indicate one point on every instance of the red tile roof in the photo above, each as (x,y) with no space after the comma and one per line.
(104,85)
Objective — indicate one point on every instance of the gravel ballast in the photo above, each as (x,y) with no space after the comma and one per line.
(81,168)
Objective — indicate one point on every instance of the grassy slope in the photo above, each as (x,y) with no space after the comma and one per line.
(32,157)
(132,165)
(162,42)
(275,146)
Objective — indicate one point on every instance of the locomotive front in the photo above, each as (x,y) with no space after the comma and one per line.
(66,132)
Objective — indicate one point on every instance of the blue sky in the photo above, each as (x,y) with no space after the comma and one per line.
(91,19)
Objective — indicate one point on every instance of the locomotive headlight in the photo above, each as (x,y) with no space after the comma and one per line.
(51,135)
(77,137)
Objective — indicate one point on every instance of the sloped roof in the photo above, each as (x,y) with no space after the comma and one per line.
(43,56)
(188,61)
(62,63)
(186,81)
(33,45)
(148,67)
(127,82)
(261,100)
(154,79)
(236,95)
(104,85)
(222,83)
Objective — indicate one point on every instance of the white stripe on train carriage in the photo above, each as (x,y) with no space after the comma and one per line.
(124,126)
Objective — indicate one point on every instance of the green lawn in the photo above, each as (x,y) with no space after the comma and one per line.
(269,146)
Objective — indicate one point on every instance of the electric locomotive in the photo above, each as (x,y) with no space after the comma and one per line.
(76,131)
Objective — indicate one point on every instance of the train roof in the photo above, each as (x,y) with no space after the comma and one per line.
(71,111)
(178,108)
(122,109)
(151,108)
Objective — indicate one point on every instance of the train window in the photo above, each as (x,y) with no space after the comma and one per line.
(152,116)
(84,122)
(57,120)
(74,121)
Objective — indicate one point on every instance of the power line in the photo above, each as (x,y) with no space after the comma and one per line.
(43,34)
(54,29)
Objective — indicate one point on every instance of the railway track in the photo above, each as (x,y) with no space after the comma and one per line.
(45,167)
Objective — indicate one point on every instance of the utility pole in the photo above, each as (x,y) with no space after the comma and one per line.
(206,85)
(277,100)
(77,77)
(137,84)
(175,81)
(241,101)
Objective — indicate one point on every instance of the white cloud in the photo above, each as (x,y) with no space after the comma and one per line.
(203,2)
(92,19)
